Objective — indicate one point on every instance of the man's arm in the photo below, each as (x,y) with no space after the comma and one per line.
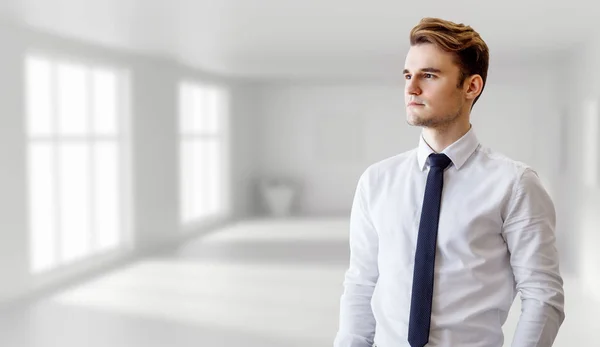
(357,324)
(529,232)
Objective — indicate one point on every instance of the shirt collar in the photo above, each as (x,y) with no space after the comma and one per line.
(458,152)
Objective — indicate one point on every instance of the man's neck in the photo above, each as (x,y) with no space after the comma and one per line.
(440,138)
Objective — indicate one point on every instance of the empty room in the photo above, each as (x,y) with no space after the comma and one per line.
(299,173)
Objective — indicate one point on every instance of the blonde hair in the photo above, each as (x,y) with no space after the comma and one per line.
(471,52)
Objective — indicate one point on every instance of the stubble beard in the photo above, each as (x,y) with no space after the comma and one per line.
(435,121)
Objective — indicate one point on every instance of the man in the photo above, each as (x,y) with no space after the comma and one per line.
(443,236)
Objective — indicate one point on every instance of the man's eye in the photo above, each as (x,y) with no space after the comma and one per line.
(407,77)
(428,75)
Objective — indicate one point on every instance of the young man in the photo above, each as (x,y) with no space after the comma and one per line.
(443,236)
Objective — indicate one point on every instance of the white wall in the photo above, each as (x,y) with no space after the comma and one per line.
(244,148)
(325,135)
(154,155)
(582,202)
(13,240)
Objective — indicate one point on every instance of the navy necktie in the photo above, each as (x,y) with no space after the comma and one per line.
(422,290)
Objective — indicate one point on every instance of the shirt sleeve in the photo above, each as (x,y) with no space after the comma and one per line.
(529,231)
(356,321)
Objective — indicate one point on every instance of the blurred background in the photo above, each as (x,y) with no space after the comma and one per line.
(181,173)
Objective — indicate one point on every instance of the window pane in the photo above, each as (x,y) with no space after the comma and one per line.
(185,108)
(214,179)
(199,173)
(105,102)
(211,117)
(106,203)
(198,109)
(185,180)
(39,104)
(75,204)
(205,179)
(205,110)
(74,185)
(72,100)
(41,207)
(201,109)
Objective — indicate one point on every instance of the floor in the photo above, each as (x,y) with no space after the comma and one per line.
(256,284)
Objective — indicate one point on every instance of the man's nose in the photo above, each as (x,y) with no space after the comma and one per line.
(412,87)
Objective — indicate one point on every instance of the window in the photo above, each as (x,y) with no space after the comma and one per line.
(75,123)
(204,173)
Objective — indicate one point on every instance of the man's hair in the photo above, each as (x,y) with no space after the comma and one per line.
(471,52)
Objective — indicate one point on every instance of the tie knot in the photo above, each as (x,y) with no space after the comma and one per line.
(439,160)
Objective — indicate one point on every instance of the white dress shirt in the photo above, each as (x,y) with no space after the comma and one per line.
(495,237)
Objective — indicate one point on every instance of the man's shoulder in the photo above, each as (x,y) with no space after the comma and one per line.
(498,161)
(389,164)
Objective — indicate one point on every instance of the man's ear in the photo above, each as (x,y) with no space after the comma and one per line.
(473,86)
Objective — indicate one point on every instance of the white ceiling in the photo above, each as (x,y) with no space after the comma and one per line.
(299,38)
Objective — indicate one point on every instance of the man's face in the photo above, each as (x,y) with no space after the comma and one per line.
(431,94)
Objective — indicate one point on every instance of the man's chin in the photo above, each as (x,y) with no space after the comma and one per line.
(415,121)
